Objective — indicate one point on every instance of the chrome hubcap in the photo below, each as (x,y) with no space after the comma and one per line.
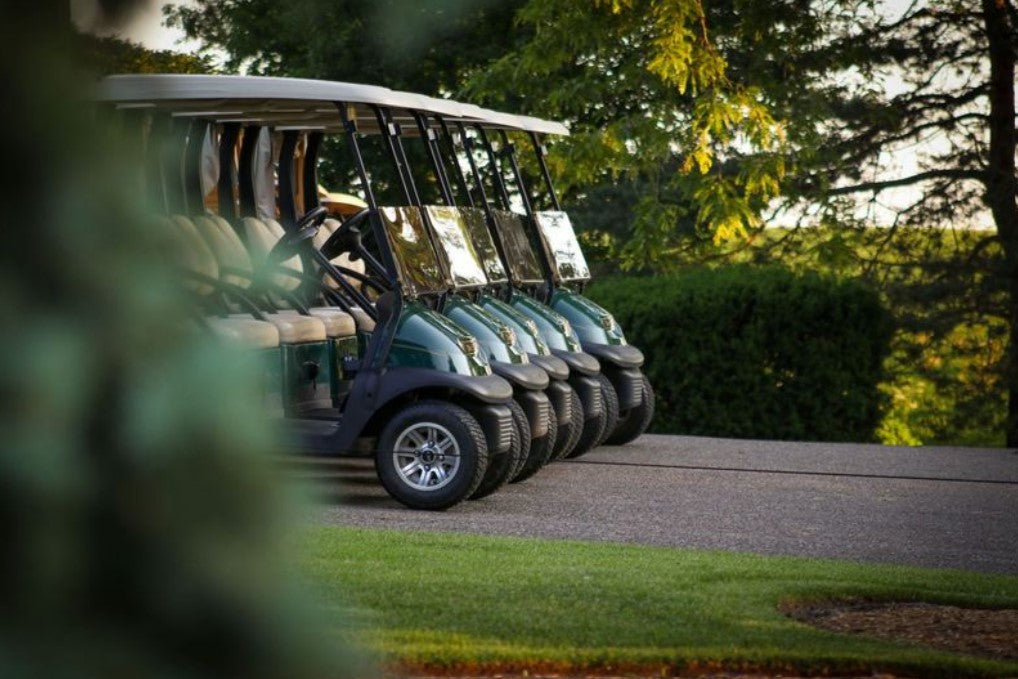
(426,456)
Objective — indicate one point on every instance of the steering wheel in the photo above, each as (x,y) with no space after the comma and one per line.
(305,229)
(346,237)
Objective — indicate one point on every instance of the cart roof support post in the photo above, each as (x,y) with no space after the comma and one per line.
(468,149)
(509,151)
(461,179)
(496,168)
(350,131)
(389,132)
(542,152)
(434,154)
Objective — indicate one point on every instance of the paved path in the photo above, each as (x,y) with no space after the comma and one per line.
(940,507)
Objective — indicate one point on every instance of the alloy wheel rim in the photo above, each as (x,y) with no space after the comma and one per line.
(426,456)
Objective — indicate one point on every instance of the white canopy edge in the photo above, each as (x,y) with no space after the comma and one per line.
(180,87)
(218,90)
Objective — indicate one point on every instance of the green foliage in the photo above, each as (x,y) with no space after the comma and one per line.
(144,525)
(498,605)
(757,352)
(944,373)
(647,93)
(108,56)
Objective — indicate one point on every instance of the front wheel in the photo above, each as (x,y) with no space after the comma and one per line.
(431,455)
(569,433)
(633,422)
(610,401)
(593,427)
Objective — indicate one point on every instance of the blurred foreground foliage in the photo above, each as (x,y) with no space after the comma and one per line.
(144,530)
(757,352)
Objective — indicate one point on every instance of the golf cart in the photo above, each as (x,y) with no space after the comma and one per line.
(401,383)
(555,273)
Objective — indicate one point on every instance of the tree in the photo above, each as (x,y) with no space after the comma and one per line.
(823,68)
(952,68)
(107,55)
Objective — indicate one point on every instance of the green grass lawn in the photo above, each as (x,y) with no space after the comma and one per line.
(437,601)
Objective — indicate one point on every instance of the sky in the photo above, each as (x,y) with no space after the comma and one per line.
(143,26)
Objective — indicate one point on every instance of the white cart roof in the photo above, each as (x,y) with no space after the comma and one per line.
(294,102)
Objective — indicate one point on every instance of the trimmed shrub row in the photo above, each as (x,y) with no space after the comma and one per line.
(753,352)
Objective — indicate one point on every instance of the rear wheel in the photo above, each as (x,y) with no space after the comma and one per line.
(431,455)
(634,421)
(570,432)
(540,451)
(610,400)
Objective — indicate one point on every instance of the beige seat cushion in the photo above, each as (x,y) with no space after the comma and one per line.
(337,322)
(260,236)
(364,322)
(227,248)
(245,332)
(190,251)
(294,328)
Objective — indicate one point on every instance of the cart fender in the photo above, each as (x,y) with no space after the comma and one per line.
(553,365)
(526,375)
(622,355)
(578,361)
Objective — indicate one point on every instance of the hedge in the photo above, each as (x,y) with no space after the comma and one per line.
(757,352)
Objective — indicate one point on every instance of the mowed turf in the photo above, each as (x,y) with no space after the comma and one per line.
(459,603)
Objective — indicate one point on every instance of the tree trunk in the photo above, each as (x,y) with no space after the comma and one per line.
(1001,182)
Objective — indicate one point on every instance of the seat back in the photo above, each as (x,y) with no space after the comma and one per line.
(190,251)
(260,236)
(229,251)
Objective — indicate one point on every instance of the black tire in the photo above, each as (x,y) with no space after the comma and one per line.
(592,429)
(460,482)
(634,421)
(610,400)
(540,452)
(522,426)
(569,434)
(500,467)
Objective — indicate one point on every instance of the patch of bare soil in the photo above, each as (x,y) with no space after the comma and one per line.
(981,632)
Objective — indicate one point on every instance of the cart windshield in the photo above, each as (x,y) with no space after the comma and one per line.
(484,246)
(523,264)
(559,239)
(416,260)
(453,243)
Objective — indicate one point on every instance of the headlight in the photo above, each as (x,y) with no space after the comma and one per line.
(566,328)
(607,322)
(532,327)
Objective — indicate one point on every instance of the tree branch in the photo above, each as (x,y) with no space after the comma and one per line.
(879,186)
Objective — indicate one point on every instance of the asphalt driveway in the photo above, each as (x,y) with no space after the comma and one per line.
(939,507)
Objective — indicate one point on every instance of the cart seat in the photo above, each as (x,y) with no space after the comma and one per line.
(260,236)
(294,328)
(228,253)
(337,322)
(244,332)
(364,322)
